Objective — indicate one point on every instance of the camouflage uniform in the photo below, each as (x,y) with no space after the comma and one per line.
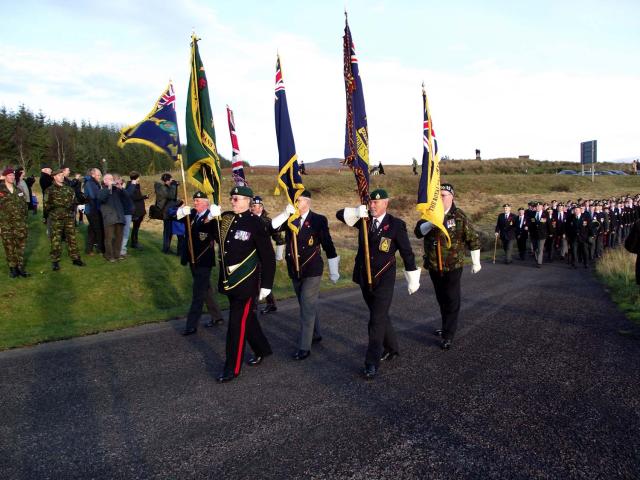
(462,235)
(59,209)
(13,225)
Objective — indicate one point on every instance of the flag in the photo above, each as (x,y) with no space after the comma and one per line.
(237,167)
(289,178)
(356,144)
(203,163)
(429,201)
(159,129)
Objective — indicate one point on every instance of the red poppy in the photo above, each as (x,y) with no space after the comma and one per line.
(306,224)
(202,83)
(385,228)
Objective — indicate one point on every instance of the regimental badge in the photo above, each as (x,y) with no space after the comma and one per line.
(202,236)
(242,235)
(543,220)
(451,223)
(385,244)
(310,241)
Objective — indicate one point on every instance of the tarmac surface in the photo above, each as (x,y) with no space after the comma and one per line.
(540,383)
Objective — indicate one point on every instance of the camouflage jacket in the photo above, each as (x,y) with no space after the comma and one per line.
(462,235)
(13,208)
(60,201)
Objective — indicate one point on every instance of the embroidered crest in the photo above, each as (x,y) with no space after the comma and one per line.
(242,235)
(202,236)
(385,244)
(451,223)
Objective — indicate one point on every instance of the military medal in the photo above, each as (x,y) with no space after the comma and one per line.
(310,241)
(203,236)
(385,244)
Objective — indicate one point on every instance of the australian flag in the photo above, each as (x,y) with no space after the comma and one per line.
(289,178)
(159,129)
(356,144)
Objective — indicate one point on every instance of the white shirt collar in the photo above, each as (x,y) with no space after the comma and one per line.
(380,218)
(304,217)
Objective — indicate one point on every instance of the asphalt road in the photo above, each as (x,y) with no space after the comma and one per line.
(539,384)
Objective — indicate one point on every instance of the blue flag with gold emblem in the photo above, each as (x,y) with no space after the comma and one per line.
(289,178)
(159,129)
(356,144)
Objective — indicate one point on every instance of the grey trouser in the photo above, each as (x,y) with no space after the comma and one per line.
(507,245)
(539,250)
(307,290)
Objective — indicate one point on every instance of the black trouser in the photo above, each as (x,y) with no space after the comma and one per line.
(202,292)
(243,324)
(166,235)
(522,246)
(579,252)
(382,336)
(135,228)
(95,232)
(447,288)
(549,247)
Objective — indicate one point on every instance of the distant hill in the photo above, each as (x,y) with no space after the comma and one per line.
(324,163)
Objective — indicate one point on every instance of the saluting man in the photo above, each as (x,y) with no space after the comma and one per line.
(247,270)
(386,235)
(313,234)
(445,264)
(506,230)
(203,231)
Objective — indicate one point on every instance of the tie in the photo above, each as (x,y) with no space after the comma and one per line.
(374,225)
(538,216)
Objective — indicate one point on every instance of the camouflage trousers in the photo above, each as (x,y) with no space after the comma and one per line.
(14,240)
(67,225)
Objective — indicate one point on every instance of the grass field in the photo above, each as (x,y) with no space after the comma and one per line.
(617,271)
(150,286)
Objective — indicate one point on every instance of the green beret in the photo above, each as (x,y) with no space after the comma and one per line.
(379,194)
(306,193)
(199,194)
(242,190)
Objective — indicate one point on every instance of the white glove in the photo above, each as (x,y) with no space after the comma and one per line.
(363,212)
(334,269)
(279,253)
(183,211)
(475,260)
(425,227)
(350,216)
(413,280)
(214,211)
(264,293)
(283,217)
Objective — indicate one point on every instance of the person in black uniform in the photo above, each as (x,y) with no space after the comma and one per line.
(386,235)
(562,221)
(257,208)
(203,231)
(522,233)
(313,233)
(552,232)
(247,270)
(506,230)
(579,237)
(538,232)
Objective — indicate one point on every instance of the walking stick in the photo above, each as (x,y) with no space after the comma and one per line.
(495,246)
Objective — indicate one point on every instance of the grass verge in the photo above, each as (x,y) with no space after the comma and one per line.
(616,269)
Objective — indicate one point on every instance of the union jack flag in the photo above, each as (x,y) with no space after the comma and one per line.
(168,98)
(237,166)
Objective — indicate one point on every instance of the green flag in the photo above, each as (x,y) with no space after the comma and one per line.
(202,163)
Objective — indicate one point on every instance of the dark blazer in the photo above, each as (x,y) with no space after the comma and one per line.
(203,235)
(506,226)
(138,199)
(242,234)
(390,237)
(579,228)
(313,234)
(561,225)
(522,233)
(538,228)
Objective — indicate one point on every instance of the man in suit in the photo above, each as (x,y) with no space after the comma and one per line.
(305,271)
(203,231)
(538,233)
(522,233)
(579,237)
(552,227)
(506,230)
(247,270)
(386,234)
(562,220)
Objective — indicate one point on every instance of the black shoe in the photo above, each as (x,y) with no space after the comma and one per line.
(55,266)
(225,377)
(256,360)
(213,323)
(189,331)
(301,354)
(438,332)
(370,371)
(13,272)
(268,309)
(538,265)
(316,340)
(22,272)
(445,344)
(388,356)
(79,263)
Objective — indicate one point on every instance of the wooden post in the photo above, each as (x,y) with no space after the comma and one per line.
(367,259)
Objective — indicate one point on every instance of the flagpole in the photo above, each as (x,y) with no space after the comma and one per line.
(296,260)
(367,260)
(184,188)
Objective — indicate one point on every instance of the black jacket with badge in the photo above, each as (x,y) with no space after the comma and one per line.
(312,235)
(248,260)
(390,237)
(203,235)
(506,226)
(538,227)
(522,232)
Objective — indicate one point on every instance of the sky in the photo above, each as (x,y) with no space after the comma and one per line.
(507,77)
